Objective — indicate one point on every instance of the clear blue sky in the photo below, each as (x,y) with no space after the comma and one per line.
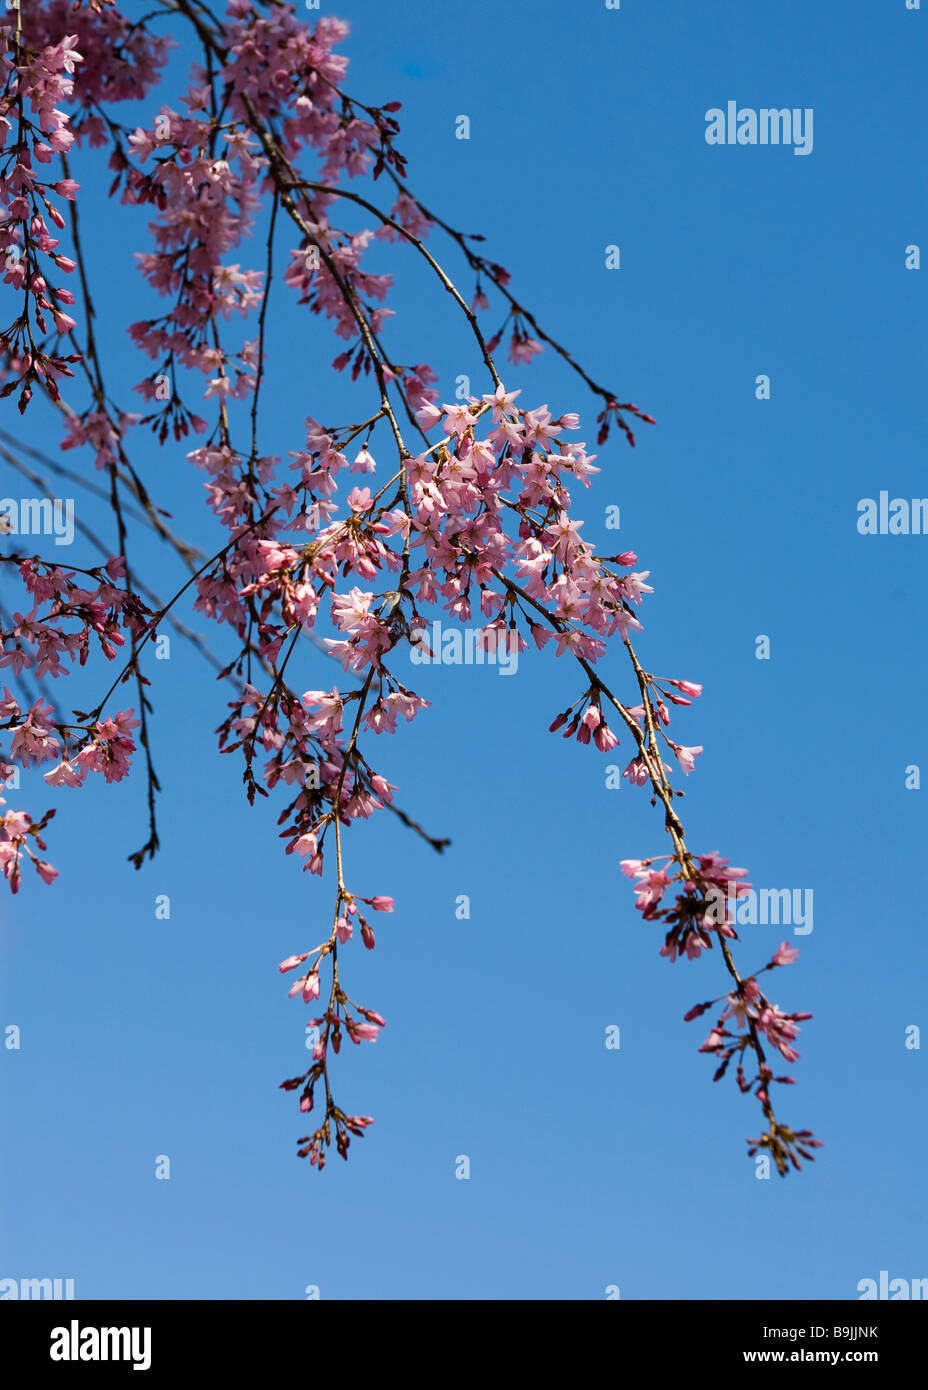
(589,1167)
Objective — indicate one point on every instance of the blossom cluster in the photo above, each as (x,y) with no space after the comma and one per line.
(355,537)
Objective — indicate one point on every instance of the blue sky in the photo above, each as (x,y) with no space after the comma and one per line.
(589,1167)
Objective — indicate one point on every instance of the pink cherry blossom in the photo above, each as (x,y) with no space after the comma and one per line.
(478,525)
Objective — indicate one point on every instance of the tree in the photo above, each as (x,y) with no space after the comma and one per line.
(475,507)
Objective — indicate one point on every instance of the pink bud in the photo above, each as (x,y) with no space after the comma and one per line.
(292,962)
(604,738)
(695,1011)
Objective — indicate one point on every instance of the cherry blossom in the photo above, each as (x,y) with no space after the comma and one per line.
(463,508)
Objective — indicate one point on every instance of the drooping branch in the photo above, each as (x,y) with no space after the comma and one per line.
(489,503)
